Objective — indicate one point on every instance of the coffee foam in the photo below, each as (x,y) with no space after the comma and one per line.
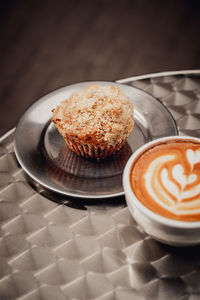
(166,179)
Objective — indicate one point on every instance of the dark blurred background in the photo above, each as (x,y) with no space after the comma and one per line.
(47,44)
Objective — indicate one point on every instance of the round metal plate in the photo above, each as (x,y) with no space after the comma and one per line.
(43,155)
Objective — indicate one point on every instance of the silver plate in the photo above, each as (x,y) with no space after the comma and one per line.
(44,156)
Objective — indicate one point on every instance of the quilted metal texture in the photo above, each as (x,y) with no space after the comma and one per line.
(52,248)
(181,95)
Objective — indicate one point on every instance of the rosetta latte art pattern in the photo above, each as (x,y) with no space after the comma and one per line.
(170,181)
(175,189)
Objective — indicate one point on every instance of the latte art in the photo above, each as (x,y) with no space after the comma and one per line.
(166,179)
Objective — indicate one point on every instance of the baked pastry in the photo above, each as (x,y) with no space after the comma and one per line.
(95,121)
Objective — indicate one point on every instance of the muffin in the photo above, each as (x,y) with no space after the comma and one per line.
(95,121)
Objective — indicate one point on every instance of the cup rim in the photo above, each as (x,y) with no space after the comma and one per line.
(146,211)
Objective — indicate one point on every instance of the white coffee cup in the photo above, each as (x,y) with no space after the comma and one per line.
(163,229)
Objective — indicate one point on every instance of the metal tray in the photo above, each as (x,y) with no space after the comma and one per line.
(47,159)
(54,248)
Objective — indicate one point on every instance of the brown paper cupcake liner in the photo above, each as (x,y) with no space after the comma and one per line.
(92,151)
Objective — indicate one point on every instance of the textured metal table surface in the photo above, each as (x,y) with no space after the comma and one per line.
(53,247)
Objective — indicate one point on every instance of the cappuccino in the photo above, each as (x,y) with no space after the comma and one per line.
(166,179)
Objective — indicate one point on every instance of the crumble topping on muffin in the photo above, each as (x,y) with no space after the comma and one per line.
(96,117)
